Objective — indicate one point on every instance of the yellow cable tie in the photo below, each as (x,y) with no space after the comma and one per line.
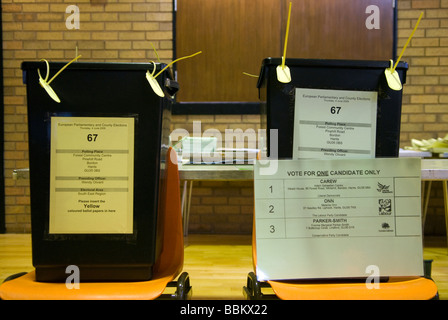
(286,37)
(250,75)
(48,71)
(186,57)
(155,51)
(62,69)
(407,42)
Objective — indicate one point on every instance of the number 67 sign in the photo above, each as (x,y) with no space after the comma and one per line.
(334,124)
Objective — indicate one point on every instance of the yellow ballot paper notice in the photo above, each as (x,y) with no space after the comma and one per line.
(337,218)
(91,175)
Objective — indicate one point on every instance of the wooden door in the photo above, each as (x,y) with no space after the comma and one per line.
(236,35)
(340,29)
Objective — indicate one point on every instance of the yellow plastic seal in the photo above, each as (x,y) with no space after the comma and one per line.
(392,78)
(46,84)
(153,82)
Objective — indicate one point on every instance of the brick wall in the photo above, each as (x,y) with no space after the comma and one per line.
(425,104)
(121,31)
(110,31)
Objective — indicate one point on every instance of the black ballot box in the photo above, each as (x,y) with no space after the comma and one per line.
(97,162)
(331,108)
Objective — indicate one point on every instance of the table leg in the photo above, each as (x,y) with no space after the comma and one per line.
(445,201)
(190,191)
(426,191)
(186,204)
(184,199)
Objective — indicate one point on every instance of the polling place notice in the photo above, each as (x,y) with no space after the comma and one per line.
(91,175)
(334,218)
(332,124)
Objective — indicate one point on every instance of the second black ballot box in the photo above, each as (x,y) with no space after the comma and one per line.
(331,108)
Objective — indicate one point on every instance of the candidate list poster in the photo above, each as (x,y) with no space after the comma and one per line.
(335,218)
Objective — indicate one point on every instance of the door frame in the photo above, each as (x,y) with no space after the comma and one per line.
(2,108)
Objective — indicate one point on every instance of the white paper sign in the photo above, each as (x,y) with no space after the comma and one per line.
(91,175)
(332,124)
(334,218)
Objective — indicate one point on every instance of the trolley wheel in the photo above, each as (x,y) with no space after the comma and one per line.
(252,291)
(15,276)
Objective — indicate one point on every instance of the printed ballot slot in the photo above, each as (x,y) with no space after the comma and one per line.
(332,108)
(97,170)
(334,218)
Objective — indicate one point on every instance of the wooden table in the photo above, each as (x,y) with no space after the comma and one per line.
(432,170)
